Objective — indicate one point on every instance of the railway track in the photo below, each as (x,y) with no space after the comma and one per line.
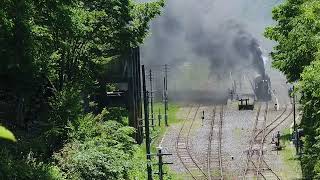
(214,151)
(270,128)
(254,156)
(255,160)
(183,150)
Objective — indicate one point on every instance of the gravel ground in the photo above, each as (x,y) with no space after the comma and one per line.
(170,138)
(168,145)
(237,130)
(274,160)
(199,136)
(236,135)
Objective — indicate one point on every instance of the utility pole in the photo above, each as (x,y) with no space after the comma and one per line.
(166,94)
(159,118)
(151,99)
(294,120)
(161,163)
(165,101)
(146,121)
(166,74)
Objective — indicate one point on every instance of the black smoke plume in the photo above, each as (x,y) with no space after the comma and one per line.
(222,37)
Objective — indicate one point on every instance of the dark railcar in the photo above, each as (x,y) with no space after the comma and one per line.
(262,88)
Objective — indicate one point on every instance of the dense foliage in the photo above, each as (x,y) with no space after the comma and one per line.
(297,55)
(53,55)
(296,36)
(97,144)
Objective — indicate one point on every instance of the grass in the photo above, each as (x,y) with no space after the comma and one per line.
(160,131)
(173,109)
(292,168)
(156,134)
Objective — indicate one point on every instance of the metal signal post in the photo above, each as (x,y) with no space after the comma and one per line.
(160,155)
(146,121)
(159,118)
(165,94)
(151,99)
(294,121)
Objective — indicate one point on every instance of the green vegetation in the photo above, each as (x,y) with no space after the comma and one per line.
(297,56)
(157,135)
(159,132)
(138,171)
(292,163)
(97,144)
(54,55)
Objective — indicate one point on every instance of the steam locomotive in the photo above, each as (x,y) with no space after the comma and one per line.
(262,88)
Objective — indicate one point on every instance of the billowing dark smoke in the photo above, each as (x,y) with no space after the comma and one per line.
(208,42)
(240,51)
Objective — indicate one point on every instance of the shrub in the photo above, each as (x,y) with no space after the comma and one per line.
(98,149)
(92,160)
(26,168)
(65,107)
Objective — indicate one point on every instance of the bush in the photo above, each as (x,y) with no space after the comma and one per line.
(66,106)
(93,160)
(26,168)
(98,149)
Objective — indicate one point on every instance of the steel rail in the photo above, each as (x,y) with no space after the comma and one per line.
(219,148)
(188,150)
(267,132)
(254,139)
(210,144)
(262,140)
(220,142)
(187,145)
(177,142)
(249,155)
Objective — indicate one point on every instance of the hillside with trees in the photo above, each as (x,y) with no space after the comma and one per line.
(53,54)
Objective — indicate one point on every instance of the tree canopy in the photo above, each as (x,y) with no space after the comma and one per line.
(296,36)
(297,55)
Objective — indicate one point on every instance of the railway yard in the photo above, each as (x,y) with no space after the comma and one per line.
(220,142)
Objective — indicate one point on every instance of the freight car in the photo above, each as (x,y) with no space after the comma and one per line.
(262,88)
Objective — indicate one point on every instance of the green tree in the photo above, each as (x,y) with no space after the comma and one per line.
(309,86)
(297,56)
(296,37)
